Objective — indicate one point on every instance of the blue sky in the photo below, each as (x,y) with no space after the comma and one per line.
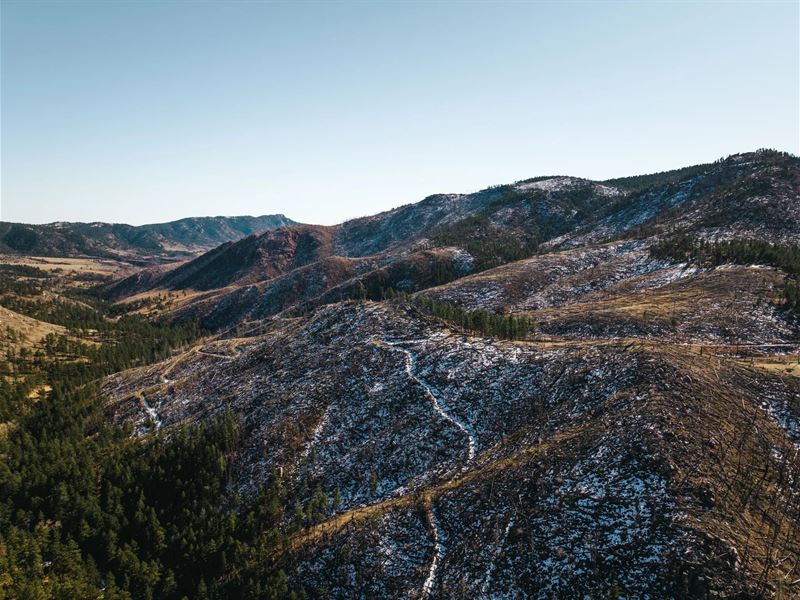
(150,111)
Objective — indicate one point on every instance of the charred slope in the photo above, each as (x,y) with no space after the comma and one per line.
(753,194)
(252,259)
(467,465)
(524,211)
(642,443)
(749,195)
(325,281)
(108,240)
(620,290)
(745,195)
(507,221)
(256,257)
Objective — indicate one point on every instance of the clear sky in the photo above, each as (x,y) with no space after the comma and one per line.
(149,111)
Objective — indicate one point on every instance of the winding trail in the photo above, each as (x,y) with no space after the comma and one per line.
(410,361)
(194,351)
(215,355)
(441,408)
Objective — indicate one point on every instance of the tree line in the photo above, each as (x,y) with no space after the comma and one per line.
(480,321)
(684,248)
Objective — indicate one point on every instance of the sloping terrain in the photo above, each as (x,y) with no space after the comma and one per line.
(508,220)
(260,256)
(487,467)
(184,237)
(325,281)
(549,204)
(744,196)
(619,290)
(20,331)
(256,257)
(555,389)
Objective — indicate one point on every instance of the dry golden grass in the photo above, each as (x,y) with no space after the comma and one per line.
(160,301)
(33,329)
(784,365)
(659,304)
(5,429)
(39,392)
(99,266)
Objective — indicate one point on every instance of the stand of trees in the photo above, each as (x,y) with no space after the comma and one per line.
(87,512)
(684,248)
(488,245)
(743,252)
(510,327)
(74,315)
(22,279)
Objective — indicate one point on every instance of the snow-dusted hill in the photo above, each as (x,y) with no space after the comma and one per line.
(642,442)
(745,196)
(520,468)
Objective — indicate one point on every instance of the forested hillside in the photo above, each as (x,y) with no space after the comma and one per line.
(84,512)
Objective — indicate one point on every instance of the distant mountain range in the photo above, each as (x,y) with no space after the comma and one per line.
(171,240)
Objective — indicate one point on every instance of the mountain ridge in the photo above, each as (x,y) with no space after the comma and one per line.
(503,224)
(169,240)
